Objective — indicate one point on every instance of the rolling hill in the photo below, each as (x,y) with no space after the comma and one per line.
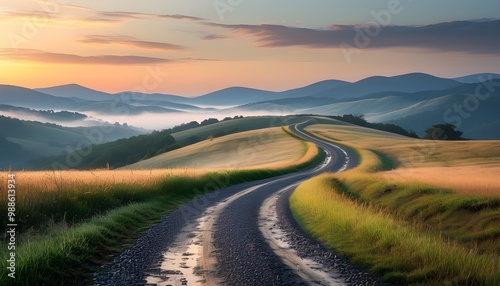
(241,95)
(43,115)
(30,139)
(120,108)
(136,102)
(413,82)
(288,104)
(411,110)
(140,97)
(477,116)
(79,92)
(415,101)
(315,89)
(130,150)
(233,96)
(475,78)
(76,91)
(28,98)
(251,149)
(236,126)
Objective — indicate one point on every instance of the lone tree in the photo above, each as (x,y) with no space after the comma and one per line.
(443,132)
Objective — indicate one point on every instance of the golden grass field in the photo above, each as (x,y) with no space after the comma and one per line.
(467,180)
(394,249)
(265,148)
(274,149)
(48,181)
(467,167)
(414,212)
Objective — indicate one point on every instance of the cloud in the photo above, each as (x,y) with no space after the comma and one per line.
(71,6)
(60,58)
(119,15)
(460,36)
(130,41)
(181,17)
(116,15)
(213,37)
(37,15)
(41,17)
(92,16)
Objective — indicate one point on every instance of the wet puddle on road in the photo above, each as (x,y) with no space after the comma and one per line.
(190,259)
(181,262)
(312,272)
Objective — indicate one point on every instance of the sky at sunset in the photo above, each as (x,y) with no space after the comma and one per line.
(195,47)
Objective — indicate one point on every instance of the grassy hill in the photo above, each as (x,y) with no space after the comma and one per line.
(237,125)
(468,167)
(412,109)
(406,152)
(262,148)
(134,149)
(414,212)
(35,139)
(477,123)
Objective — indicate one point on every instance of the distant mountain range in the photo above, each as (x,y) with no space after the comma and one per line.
(415,101)
(234,96)
(28,98)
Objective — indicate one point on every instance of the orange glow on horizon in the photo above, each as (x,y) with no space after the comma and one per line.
(193,78)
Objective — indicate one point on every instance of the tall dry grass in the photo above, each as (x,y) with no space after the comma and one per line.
(399,222)
(45,198)
(389,247)
(468,167)
(67,180)
(412,153)
(264,148)
(465,180)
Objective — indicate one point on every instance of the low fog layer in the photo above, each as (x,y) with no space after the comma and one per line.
(148,121)
(160,121)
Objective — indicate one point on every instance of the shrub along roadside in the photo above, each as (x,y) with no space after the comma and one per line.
(64,255)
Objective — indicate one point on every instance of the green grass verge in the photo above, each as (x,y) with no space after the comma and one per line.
(389,247)
(473,222)
(65,256)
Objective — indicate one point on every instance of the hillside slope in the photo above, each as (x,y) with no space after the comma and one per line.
(261,148)
(34,139)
